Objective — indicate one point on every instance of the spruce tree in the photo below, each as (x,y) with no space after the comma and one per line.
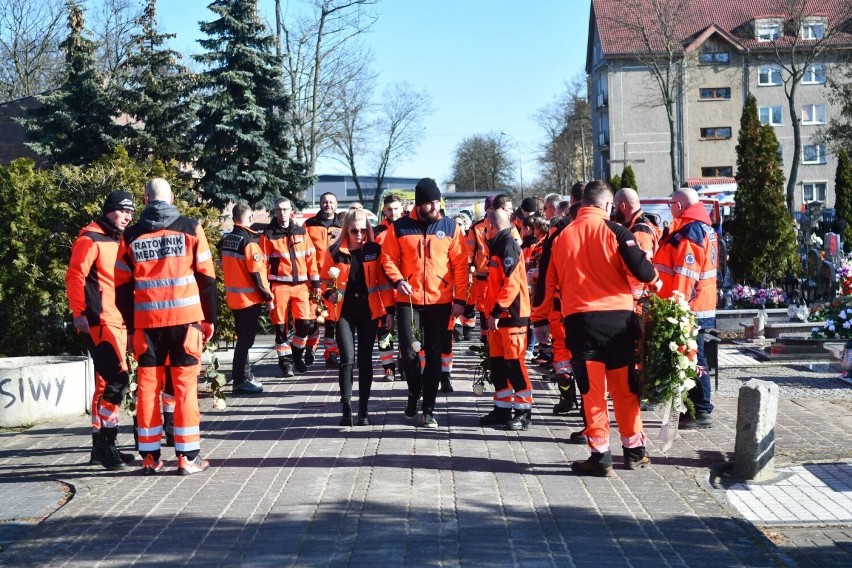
(243,129)
(615,182)
(764,238)
(843,198)
(75,123)
(628,178)
(157,92)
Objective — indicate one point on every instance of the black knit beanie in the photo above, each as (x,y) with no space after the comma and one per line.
(426,191)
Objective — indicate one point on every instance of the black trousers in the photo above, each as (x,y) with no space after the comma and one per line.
(355,319)
(246,324)
(433,322)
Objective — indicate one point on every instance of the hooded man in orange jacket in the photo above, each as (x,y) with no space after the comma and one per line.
(686,261)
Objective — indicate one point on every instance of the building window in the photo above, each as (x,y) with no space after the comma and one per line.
(813,30)
(714,93)
(769,75)
(814,74)
(770,115)
(716,133)
(814,191)
(714,57)
(813,114)
(717,171)
(814,154)
(768,31)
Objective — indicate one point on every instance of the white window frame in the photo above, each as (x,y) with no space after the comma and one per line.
(767,31)
(817,113)
(819,158)
(771,114)
(817,193)
(814,75)
(808,29)
(772,71)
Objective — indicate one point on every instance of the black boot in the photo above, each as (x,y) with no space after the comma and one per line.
(169,429)
(411,406)
(458,333)
(598,465)
(635,458)
(521,420)
(567,394)
(497,417)
(94,458)
(299,361)
(309,356)
(446,384)
(106,450)
(346,416)
(363,418)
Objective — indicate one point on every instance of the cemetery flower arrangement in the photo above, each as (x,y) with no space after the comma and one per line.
(669,364)
(747,297)
(844,276)
(815,241)
(836,320)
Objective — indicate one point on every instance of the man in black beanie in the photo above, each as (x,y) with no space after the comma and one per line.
(90,287)
(425,256)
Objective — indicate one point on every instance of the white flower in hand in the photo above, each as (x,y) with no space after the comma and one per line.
(334,272)
(416,346)
(688,384)
(673,346)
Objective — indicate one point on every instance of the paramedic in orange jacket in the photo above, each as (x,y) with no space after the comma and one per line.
(362,295)
(90,287)
(166,291)
(477,252)
(628,212)
(508,307)
(246,291)
(292,270)
(686,261)
(591,260)
(392,210)
(324,228)
(425,258)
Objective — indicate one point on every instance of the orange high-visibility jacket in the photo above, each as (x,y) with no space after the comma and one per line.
(291,254)
(431,257)
(244,269)
(477,249)
(380,293)
(89,280)
(164,272)
(508,297)
(590,261)
(648,236)
(687,260)
(546,296)
(322,235)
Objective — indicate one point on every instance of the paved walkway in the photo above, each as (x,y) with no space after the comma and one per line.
(288,487)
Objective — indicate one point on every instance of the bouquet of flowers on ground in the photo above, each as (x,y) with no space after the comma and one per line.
(745,297)
(669,365)
(844,276)
(836,319)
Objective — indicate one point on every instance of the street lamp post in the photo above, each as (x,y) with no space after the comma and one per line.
(520,159)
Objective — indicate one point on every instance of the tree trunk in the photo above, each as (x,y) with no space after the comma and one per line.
(672,146)
(797,147)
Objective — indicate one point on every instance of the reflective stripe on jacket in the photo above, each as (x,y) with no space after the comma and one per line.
(380,292)
(686,261)
(90,278)
(243,269)
(431,257)
(164,273)
(290,253)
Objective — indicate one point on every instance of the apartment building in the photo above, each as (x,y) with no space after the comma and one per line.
(728,49)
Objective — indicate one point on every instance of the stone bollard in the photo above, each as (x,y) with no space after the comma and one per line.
(754,450)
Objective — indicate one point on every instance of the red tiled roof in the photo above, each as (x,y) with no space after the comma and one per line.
(733,16)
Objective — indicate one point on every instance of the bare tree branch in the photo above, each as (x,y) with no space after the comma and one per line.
(30,58)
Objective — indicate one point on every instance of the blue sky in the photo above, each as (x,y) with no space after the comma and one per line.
(489,66)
